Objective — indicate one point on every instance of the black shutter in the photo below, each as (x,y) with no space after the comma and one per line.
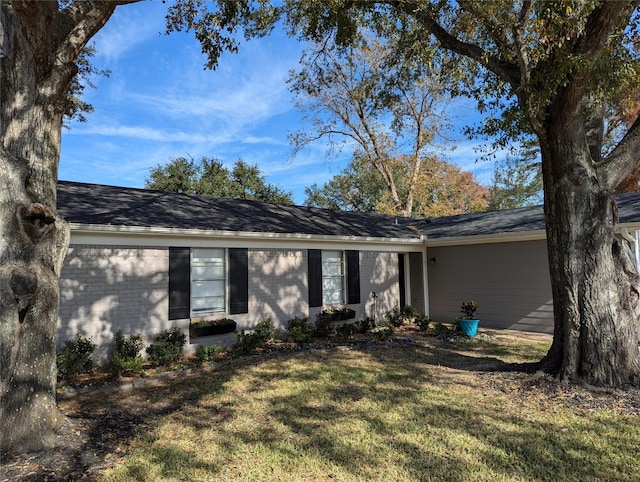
(179,283)
(353,277)
(401,275)
(315,277)
(238,281)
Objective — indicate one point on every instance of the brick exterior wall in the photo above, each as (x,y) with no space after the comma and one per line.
(107,288)
(379,273)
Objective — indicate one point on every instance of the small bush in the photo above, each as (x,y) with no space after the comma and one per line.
(442,331)
(382,333)
(249,342)
(422,322)
(346,330)
(362,326)
(120,367)
(76,357)
(128,346)
(298,330)
(126,360)
(323,327)
(398,316)
(264,330)
(206,353)
(167,346)
(162,353)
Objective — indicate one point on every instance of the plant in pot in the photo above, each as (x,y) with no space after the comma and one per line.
(211,327)
(337,314)
(469,321)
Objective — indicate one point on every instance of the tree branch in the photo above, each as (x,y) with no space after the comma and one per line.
(624,158)
(589,47)
(79,22)
(506,71)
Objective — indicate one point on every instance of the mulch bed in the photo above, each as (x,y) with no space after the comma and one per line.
(97,431)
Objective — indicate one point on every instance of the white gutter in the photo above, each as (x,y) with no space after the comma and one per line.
(160,236)
(539,234)
(487,238)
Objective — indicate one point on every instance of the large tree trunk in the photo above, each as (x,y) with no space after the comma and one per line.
(595,287)
(39,47)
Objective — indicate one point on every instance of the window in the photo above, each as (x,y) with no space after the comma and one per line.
(207,280)
(332,277)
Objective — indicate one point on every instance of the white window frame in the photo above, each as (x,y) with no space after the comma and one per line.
(209,271)
(330,279)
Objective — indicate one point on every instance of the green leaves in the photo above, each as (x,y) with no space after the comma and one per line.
(210,177)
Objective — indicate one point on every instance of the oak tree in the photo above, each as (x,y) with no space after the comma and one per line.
(40,46)
(548,71)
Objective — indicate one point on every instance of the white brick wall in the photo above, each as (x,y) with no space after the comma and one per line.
(379,273)
(104,288)
(107,288)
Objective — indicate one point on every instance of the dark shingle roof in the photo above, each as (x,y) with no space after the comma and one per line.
(108,205)
(512,220)
(492,222)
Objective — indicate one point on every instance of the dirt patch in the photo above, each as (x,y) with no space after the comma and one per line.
(103,418)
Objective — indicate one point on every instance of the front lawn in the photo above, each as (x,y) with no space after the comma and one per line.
(388,411)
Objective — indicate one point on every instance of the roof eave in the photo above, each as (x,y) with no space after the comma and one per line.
(486,238)
(84,233)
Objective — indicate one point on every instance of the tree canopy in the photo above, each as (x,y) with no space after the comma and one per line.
(442,189)
(539,70)
(389,109)
(543,70)
(210,177)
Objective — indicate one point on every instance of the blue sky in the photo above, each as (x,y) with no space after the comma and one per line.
(160,103)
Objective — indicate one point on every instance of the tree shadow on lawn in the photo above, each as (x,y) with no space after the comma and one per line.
(501,442)
(466,357)
(100,426)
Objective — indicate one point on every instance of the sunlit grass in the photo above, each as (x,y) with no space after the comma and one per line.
(375,414)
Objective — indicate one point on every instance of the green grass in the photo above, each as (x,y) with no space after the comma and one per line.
(384,413)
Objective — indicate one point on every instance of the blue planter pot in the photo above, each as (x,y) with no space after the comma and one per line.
(469,327)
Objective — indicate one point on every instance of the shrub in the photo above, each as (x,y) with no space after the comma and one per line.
(167,346)
(382,333)
(119,366)
(362,326)
(398,316)
(76,357)
(299,330)
(162,353)
(126,359)
(206,353)
(249,342)
(442,331)
(468,310)
(323,327)
(128,347)
(422,322)
(346,330)
(264,330)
